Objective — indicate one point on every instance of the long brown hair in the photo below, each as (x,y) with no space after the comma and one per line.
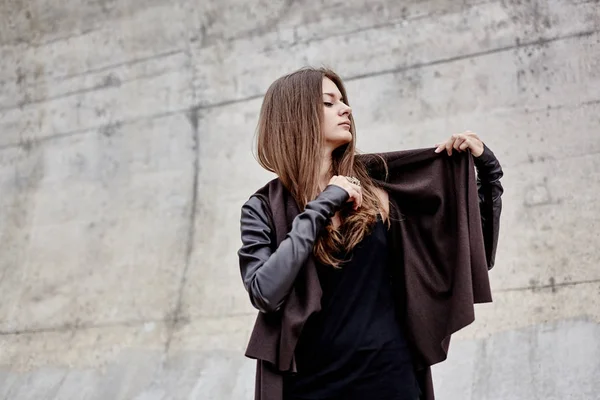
(289,143)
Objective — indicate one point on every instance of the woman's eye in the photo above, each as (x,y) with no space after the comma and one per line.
(328,104)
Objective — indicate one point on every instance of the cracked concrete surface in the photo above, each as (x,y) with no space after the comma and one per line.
(125,154)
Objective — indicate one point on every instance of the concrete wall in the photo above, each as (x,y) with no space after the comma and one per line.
(125,137)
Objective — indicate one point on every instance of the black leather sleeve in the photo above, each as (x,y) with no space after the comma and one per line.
(269,273)
(490,192)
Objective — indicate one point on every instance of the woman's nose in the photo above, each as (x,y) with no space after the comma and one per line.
(346,110)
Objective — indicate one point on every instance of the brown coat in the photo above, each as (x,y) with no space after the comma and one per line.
(437,250)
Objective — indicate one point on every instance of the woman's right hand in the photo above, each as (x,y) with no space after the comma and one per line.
(353,190)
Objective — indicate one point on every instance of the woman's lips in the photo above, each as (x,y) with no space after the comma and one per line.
(345,124)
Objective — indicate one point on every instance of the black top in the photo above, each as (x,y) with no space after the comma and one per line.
(354,344)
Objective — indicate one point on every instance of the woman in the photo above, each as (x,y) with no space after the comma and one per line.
(361,265)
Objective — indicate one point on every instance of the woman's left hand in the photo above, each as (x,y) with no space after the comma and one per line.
(461,142)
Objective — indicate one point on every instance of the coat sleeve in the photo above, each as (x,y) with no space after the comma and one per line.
(490,192)
(268,273)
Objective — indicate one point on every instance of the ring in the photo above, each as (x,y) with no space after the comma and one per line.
(353,180)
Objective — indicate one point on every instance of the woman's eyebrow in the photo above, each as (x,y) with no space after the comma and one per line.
(334,96)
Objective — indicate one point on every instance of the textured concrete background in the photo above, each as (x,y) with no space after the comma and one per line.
(125,155)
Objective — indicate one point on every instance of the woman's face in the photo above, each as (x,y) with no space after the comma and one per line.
(336,116)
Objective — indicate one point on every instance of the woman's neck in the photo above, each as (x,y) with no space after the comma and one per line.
(325,173)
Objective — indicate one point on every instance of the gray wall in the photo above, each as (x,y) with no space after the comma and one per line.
(125,154)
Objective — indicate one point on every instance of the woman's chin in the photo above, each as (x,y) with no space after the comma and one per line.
(339,139)
(342,142)
(347,138)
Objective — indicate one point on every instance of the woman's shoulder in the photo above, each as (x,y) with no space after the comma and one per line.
(254,202)
(261,195)
(257,205)
(256,213)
